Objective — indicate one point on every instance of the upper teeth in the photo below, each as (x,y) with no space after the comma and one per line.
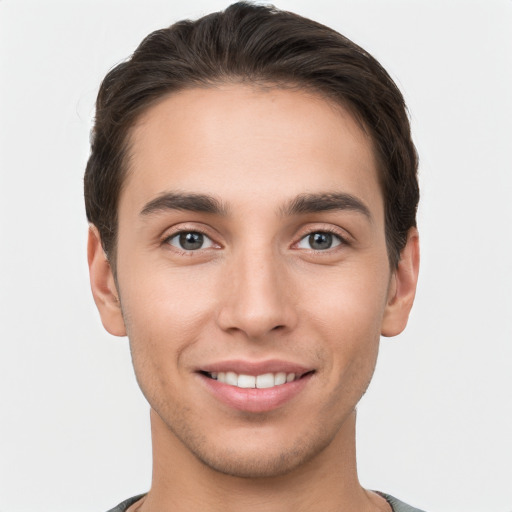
(266,380)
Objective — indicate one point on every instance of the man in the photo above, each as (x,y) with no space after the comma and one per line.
(252,194)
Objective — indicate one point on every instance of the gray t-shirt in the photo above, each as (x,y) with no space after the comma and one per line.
(396,505)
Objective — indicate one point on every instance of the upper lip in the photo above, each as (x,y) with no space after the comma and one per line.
(255,367)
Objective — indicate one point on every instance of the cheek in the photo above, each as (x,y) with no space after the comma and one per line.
(352,336)
(164,301)
(165,313)
(350,303)
(347,316)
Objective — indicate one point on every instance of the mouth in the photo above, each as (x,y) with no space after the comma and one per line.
(261,381)
(255,387)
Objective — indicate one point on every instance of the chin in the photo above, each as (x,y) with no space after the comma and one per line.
(255,460)
(256,466)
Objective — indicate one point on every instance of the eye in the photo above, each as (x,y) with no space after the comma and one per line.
(319,241)
(190,241)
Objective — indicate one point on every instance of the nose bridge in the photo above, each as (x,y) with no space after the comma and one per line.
(258,300)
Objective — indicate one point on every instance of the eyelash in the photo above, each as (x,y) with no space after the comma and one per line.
(342,239)
(183,252)
(167,240)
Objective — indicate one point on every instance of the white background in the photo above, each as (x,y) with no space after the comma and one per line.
(435,428)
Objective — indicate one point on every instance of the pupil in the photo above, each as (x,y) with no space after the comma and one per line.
(191,240)
(320,241)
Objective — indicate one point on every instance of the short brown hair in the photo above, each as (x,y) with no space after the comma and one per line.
(252,44)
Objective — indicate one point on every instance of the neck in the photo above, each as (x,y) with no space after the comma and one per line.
(327,482)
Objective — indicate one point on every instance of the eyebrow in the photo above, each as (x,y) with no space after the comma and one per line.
(316,203)
(203,203)
(303,203)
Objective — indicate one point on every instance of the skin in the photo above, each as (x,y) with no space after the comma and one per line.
(255,291)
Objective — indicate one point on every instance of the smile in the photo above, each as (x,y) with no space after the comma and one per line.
(262,381)
(255,387)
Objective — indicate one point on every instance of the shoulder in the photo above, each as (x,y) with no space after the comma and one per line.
(122,507)
(397,505)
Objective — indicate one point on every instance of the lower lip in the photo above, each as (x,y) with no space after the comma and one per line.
(255,399)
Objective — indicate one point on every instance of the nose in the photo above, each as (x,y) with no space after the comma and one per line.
(258,297)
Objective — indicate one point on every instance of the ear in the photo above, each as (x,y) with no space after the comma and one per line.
(402,287)
(103,285)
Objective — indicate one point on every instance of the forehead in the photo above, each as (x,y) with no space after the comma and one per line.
(248,144)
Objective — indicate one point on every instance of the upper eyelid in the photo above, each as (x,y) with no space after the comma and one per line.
(167,240)
(177,232)
(343,241)
(343,234)
(180,231)
(173,231)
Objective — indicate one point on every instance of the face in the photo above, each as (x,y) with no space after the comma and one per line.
(252,273)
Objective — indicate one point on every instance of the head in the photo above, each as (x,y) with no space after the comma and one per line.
(252,193)
(250,44)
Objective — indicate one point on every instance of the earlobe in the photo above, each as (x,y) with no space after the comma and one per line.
(402,287)
(103,285)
